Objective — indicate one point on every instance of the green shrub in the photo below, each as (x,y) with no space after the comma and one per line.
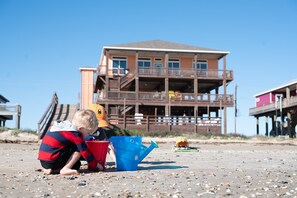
(17,132)
(2,129)
(126,132)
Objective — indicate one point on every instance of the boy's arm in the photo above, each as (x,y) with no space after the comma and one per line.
(85,152)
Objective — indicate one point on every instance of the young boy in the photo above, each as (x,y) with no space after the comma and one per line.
(62,147)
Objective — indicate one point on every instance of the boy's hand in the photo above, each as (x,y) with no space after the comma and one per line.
(100,167)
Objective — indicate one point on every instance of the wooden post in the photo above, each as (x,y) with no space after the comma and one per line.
(225,98)
(266,125)
(18,116)
(195,123)
(147,124)
(136,88)
(195,89)
(257,125)
(156,114)
(274,124)
(125,124)
(136,78)
(166,77)
(106,87)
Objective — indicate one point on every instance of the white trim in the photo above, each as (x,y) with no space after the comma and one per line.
(102,56)
(166,50)
(279,87)
(87,68)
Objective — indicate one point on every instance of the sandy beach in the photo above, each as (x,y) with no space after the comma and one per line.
(219,169)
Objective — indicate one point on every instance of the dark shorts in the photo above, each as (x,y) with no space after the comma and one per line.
(61,161)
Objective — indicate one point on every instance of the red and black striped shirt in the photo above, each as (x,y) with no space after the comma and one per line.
(54,142)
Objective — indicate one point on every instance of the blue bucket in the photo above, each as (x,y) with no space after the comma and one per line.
(128,151)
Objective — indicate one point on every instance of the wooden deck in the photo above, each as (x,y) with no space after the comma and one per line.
(7,111)
(184,99)
(287,104)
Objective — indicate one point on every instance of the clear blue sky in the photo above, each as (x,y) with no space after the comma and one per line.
(44,43)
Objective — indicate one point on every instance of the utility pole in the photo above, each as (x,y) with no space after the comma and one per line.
(235,109)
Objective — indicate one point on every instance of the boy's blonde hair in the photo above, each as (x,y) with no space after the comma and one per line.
(85,118)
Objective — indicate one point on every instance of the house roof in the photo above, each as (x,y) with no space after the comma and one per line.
(291,85)
(3,99)
(159,45)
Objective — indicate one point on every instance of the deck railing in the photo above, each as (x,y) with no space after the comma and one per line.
(182,124)
(43,123)
(161,96)
(286,103)
(200,73)
(11,110)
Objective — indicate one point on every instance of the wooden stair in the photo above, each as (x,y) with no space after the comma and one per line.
(125,80)
(64,112)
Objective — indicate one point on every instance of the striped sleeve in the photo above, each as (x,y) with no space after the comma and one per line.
(77,139)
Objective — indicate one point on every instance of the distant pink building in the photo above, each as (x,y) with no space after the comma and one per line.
(279,104)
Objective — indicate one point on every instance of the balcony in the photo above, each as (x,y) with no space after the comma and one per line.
(160,97)
(7,111)
(10,109)
(286,103)
(171,73)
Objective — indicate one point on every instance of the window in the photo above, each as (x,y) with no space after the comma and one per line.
(144,62)
(173,63)
(119,65)
(201,64)
(201,67)
(144,65)
(173,66)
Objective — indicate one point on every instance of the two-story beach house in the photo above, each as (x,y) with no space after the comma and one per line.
(158,85)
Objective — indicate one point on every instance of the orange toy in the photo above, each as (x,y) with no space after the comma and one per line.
(100,114)
(181,142)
